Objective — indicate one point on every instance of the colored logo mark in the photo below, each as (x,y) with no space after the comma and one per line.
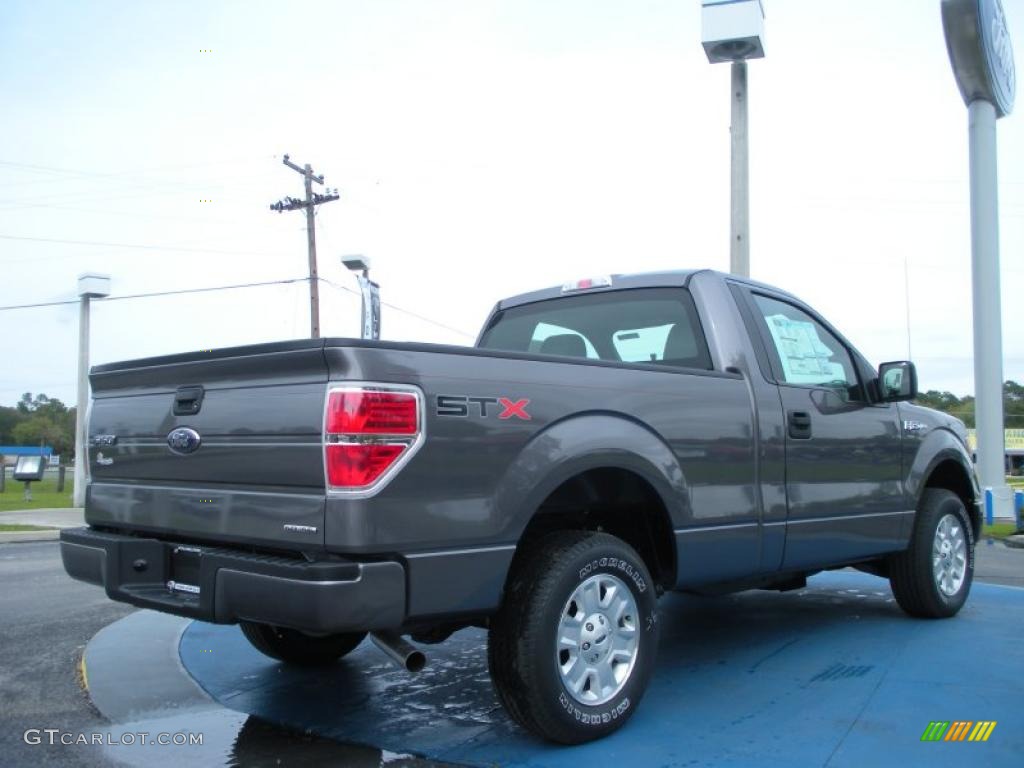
(958,730)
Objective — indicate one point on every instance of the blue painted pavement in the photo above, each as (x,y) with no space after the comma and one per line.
(834,675)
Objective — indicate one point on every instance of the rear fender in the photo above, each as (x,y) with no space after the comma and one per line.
(583,442)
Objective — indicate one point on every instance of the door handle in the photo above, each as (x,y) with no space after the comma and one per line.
(800,425)
(187,401)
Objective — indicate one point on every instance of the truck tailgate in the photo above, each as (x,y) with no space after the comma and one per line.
(258,465)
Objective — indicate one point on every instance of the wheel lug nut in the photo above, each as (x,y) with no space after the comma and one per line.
(590,627)
(586,646)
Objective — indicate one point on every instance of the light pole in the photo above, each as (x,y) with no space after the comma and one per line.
(981,53)
(370,292)
(90,286)
(733,31)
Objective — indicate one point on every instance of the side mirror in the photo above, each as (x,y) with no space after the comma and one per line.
(897,381)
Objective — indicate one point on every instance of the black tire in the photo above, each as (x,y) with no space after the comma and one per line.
(522,653)
(912,576)
(294,647)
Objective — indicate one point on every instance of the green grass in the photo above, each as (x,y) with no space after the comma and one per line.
(5,528)
(44,495)
(1015,482)
(998,530)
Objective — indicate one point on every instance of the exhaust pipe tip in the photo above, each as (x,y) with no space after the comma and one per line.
(415,661)
(402,653)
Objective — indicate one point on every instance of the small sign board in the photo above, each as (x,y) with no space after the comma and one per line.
(30,468)
(371,308)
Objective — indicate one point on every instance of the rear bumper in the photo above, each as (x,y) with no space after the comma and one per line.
(231,585)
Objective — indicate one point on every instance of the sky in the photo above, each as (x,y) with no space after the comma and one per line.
(480,149)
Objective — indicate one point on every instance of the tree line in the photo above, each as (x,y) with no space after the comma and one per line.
(38,419)
(963,407)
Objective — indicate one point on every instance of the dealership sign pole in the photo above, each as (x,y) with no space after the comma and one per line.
(981,53)
(90,286)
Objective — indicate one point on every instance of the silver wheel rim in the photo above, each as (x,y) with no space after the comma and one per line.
(949,555)
(597,642)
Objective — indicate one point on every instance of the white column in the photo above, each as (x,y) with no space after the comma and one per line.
(81,457)
(739,248)
(988,342)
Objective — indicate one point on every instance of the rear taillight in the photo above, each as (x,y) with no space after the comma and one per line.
(371,412)
(369,432)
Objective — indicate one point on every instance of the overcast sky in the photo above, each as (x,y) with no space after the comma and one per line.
(480,149)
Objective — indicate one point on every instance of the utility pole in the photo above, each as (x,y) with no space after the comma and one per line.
(309,204)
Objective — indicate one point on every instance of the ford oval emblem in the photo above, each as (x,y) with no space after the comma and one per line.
(183,440)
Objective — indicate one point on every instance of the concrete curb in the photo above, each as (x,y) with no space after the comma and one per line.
(1016,541)
(43,510)
(9,537)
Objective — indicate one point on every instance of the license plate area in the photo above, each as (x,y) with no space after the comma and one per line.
(185,570)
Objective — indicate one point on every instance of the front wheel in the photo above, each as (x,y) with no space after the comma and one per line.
(932,578)
(574,643)
(294,647)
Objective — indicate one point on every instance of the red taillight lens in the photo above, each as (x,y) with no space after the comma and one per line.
(366,432)
(356,412)
(352,465)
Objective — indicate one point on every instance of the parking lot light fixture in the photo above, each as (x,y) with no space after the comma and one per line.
(733,31)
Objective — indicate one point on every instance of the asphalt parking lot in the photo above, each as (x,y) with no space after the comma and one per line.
(842,655)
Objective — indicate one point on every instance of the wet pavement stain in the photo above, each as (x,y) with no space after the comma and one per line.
(838,671)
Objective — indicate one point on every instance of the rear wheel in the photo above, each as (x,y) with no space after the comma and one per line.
(932,578)
(574,643)
(294,647)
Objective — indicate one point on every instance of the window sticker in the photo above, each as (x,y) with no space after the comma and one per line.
(642,345)
(805,357)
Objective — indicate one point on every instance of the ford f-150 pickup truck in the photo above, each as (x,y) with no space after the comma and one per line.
(601,443)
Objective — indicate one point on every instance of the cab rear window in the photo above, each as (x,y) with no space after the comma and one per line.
(656,326)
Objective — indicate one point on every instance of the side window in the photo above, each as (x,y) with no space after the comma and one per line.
(808,353)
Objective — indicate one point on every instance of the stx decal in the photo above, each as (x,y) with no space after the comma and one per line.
(463,405)
(517,409)
(958,730)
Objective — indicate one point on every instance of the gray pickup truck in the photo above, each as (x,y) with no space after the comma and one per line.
(601,443)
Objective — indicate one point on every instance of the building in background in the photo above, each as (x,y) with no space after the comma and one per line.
(1013,440)
(9,453)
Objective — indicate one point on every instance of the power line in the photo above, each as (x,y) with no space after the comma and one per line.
(395,307)
(124,174)
(159,293)
(246,222)
(135,246)
(55,174)
(235,287)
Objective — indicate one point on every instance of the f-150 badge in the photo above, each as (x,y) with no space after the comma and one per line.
(463,405)
(914,426)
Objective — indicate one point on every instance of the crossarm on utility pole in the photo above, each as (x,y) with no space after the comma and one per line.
(309,205)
